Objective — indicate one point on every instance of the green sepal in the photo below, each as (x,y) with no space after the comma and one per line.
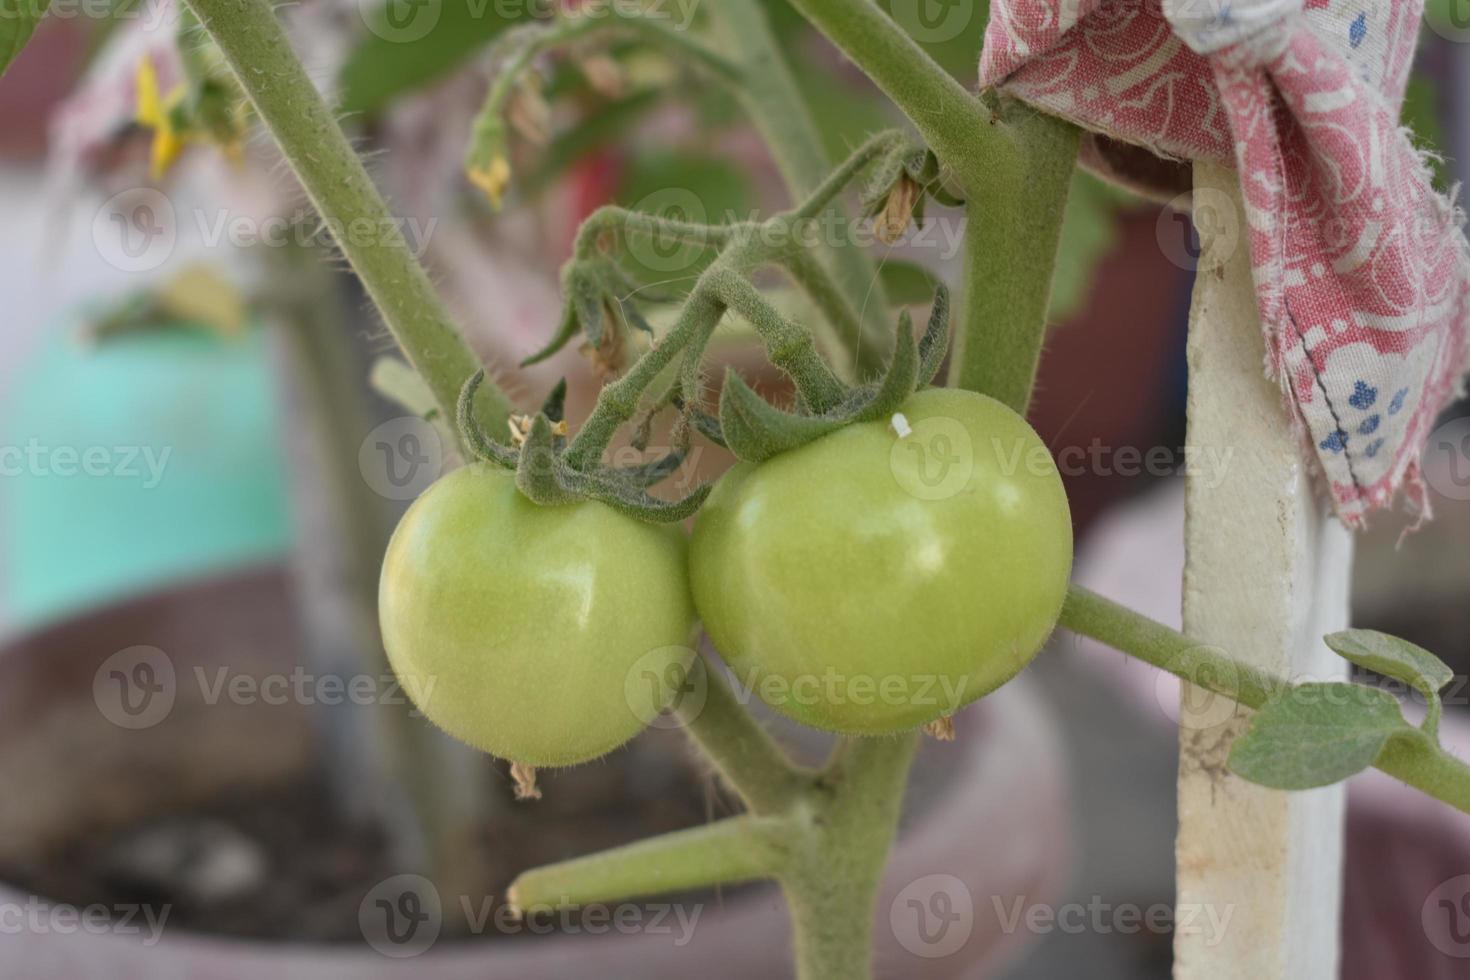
(555,405)
(540,472)
(566,329)
(935,343)
(755,430)
(704,423)
(474,437)
(634,502)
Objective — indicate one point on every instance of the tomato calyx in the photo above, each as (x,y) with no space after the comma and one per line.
(755,430)
(902,180)
(597,304)
(545,475)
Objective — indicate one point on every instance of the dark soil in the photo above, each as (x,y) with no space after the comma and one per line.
(283,864)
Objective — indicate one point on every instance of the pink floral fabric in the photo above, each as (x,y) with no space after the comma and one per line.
(1362,271)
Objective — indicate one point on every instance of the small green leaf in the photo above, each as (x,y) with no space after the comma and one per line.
(1393,657)
(1316,734)
(18,20)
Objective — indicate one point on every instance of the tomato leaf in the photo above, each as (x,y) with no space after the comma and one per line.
(18,20)
(1316,734)
(1393,657)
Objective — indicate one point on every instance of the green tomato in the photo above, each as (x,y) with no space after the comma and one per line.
(869,583)
(544,635)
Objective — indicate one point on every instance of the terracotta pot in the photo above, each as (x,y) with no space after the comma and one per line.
(986,820)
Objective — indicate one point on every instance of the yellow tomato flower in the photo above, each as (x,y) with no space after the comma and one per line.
(156,112)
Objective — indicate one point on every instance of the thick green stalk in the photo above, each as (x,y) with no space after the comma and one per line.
(953,121)
(734,850)
(832,884)
(1412,757)
(1012,233)
(746,756)
(774,102)
(247,33)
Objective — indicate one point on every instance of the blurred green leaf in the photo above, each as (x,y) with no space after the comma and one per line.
(18,20)
(1317,734)
(409,43)
(1421,115)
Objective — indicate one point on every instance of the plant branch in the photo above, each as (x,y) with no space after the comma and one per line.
(958,127)
(832,885)
(743,752)
(738,849)
(1412,757)
(259,54)
(774,102)
(1012,233)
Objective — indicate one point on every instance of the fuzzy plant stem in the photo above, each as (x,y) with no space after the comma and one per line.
(1413,757)
(1013,165)
(258,52)
(774,102)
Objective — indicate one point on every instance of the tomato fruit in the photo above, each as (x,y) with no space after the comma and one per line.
(544,635)
(869,583)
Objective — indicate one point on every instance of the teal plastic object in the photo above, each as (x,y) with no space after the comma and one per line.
(151,458)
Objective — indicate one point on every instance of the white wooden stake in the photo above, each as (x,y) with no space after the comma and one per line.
(1266,575)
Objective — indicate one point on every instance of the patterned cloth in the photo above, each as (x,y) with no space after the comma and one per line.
(1362,272)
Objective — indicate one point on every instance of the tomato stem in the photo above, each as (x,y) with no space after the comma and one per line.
(746,756)
(1415,758)
(258,52)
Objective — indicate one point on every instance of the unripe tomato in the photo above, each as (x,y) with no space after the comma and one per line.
(870,582)
(544,635)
